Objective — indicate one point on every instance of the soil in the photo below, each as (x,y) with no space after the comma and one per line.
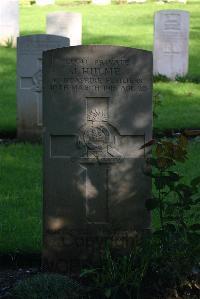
(8,278)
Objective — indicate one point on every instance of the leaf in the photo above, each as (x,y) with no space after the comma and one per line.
(152,203)
(149,143)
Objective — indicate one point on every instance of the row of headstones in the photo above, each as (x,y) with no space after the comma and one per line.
(171,35)
(62,24)
(106,2)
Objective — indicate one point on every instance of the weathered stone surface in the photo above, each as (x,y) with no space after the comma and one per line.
(9,22)
(29,81)
(97,114)
(65,24)
(171,38)
(45,2)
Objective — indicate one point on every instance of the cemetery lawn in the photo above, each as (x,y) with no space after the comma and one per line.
(21,195)
(125,25)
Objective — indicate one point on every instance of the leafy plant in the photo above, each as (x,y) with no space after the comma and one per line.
(118,277)
(176,241)
(162,263)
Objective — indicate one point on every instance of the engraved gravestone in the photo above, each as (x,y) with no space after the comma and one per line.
(97,115)
(171,38)
(9,21)
(45,2)
(29,81)
(65,24)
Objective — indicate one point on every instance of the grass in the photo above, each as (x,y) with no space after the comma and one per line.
(126,25)
(180,105)
(21,194)
(7,90)
(20,198)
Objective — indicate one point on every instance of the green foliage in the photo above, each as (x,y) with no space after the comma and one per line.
(118,277)
(48,286)
(176,242)
(162,263)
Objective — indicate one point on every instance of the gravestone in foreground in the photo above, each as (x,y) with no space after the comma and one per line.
(29,81)
(67,24)
(171,39)
(97,115)
(9,22)
(45,2)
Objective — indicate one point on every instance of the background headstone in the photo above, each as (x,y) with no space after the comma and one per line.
(171,41)
(45,2)
(65,24)
(180,1)
(101,2)
(97,107)
(136,1)
(9,22)
(29,81)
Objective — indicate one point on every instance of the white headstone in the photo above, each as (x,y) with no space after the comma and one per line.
(65,24)
(29,82)
(45,2)
(171,38)
(101,2)
(9,21)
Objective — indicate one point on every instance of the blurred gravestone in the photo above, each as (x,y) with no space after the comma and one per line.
(65,24)
(29,81)
(9,22)
(101,2)
(97,109)
(45,2)
(180,1)
(136,1)
(171,39)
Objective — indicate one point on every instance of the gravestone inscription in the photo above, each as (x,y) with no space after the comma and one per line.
(97,115)
(171,39)
(67,24)
(9,22)
(29,81)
